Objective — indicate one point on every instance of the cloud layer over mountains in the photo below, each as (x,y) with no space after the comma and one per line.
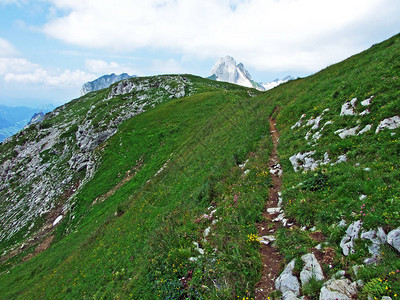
(266,34)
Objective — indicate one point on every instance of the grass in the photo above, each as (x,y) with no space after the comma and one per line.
(138,242)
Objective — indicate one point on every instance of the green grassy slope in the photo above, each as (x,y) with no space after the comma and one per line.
(324,197)
(137,242)
(166,168)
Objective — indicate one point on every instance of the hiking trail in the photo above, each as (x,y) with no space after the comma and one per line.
(271,259)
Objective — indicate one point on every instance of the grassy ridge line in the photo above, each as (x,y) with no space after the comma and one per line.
(202,159)
(332,193)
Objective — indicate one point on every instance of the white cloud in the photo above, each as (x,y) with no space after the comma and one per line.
(23,71)
(102,67)
(6,49)
(264,34)
(65,78)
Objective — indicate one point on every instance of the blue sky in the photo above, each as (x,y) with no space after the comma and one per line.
(49,48)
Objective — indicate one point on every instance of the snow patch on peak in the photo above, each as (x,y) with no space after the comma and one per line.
(272,84)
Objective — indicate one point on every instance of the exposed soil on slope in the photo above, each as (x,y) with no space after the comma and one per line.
(271,259)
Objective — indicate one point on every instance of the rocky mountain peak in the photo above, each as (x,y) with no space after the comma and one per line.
(227,70)
(103,82)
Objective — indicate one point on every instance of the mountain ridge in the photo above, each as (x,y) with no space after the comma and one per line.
(103,82)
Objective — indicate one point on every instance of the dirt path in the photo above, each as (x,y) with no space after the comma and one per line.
(271,258)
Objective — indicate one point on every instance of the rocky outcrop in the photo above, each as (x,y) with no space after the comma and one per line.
(347,243)
(227,70)
(340,289)
(393,239)
(40,165)
(287,282)
(311,269)
(389,123)
(103,82)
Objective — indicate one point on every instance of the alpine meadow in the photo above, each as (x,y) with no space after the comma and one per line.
(181,187)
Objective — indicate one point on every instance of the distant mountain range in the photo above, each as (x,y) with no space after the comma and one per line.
(103,82)
(13,119)
(227,70)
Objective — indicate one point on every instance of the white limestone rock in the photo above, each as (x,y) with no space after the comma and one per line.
(57,220)
(289,295)
(347,242)
(276,170)
(339,289)
(367,101)
(273,210)
(341,159)
(299,122)
(377,237)
(348,108)
(311,268)
(389,123)
(279,218)
(287,281)
(267,239)
(393,239)
(365,129)
(343,133)
(306,162)
(303,161)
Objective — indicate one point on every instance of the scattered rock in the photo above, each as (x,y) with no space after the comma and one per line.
(57,220)
(348,108)
(279,218)
(339,274)
(340,289)
(365,129)
(341,159)
(367,101)
(304,161)
(311,268)
(274,210)
(287,281)
(377,237)
(343,133)
(289,295)
(389,123)
(276,170)
(299,122)
(198,249)
(243,164)
(267,239)
(393,238)
(365,112)
(347,243)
